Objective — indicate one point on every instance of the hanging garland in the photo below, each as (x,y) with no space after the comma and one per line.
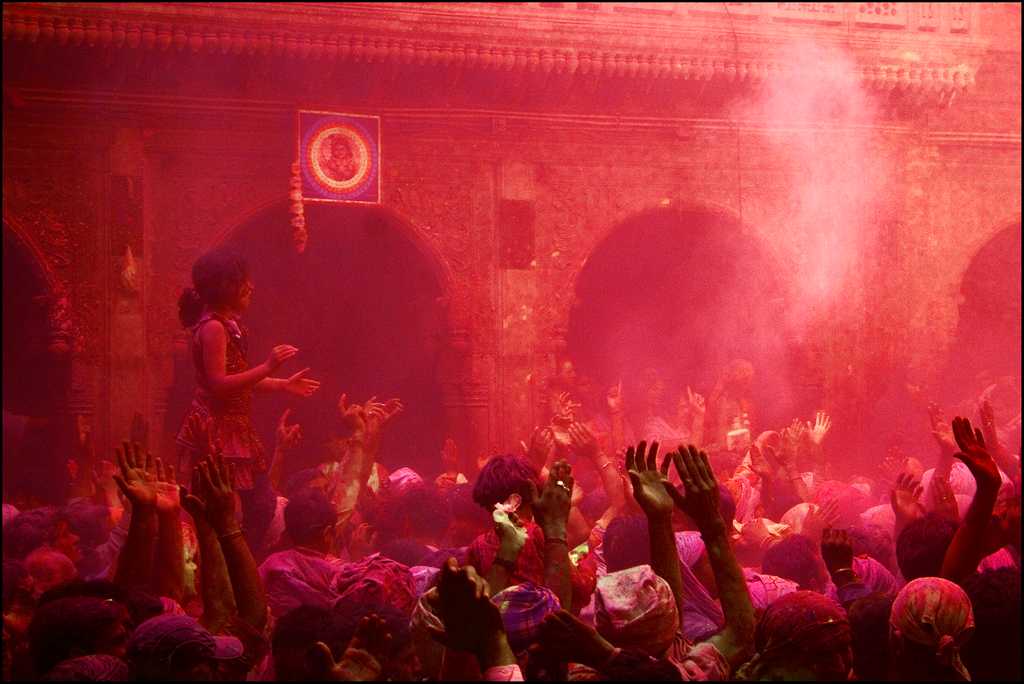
(299,234)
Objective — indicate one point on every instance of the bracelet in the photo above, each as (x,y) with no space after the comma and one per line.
(841,571)
(556,540)
(610,462)
(230,535)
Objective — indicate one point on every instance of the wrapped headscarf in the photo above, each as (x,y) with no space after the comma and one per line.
(798,627)
(875,576)
(634,608)
(934,613)
(881,516)
(523,607)
(377,579)
(797,515)
(402,480)
(767,589)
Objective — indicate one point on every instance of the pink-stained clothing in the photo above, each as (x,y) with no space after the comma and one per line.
(299,576)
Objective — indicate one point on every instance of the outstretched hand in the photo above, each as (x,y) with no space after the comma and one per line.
(362,659)
(301,386)
(974,454)
(702,498)
(551,507)
(288,436)
(137,479)
(471,620)
(821,427)
(651,487)
(905,498)
(836,549)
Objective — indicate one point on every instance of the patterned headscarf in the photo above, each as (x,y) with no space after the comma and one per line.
(875,576)
(767,589)
(523,607)
(403,480)
(377,579)
(798,628)
(935,613)
(634,608)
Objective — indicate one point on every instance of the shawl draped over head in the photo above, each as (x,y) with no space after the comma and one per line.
(797,628)
(379,580)
(934,613)
(634,608)
(523,607)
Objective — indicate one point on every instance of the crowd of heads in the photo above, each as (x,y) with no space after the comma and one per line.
(570,560)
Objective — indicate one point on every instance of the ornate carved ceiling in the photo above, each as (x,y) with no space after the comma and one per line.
(921,53)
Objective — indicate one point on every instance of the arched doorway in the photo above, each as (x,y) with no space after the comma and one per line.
(987,345)
(683,291)
(362,304)
(35,379)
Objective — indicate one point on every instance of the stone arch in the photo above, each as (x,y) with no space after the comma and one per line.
(346,243)
(632,321)
(987,338)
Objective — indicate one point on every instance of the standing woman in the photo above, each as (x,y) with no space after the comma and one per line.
(221,291)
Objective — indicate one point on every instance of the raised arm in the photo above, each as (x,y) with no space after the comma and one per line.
(905,499)
(701,500)
(511,540)
(242,569)
(288,437)
(653,492)
(968,546)
(1009,463)
(218,596)
(551,511)
(137,482)
(169,573)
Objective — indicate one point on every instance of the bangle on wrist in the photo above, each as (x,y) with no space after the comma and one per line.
(230,535)
(556,540)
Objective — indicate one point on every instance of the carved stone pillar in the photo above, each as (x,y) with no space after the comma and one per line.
(465,396)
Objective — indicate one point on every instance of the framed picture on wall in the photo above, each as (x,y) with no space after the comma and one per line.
(339,156)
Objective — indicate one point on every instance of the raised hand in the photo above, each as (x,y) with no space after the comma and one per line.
(941,430)
(701,498)
(651,486)
(542,444)
(551,507)
(301,386)
(217,478)
(760,463)
(288,436)
(819,518)
(168,501)
(471,620)
(352,415)
(905,497)
(137,479)
(363,658)
(614,398)
(280,354)
(565,409)
(697,404)
(944,501)
(582,440)
(837,550)
(974,454)
(822,424)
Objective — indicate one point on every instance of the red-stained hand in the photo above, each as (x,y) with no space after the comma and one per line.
(974,454)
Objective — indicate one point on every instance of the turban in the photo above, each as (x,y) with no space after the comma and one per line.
(935,613)
(634,608)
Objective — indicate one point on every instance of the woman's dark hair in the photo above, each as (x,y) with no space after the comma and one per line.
(922,546)
(626,543)
(503,476)
(69,627)
(216,279)
(141,605)
(869,627)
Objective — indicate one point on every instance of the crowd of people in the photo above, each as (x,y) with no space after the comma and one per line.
(697,546)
